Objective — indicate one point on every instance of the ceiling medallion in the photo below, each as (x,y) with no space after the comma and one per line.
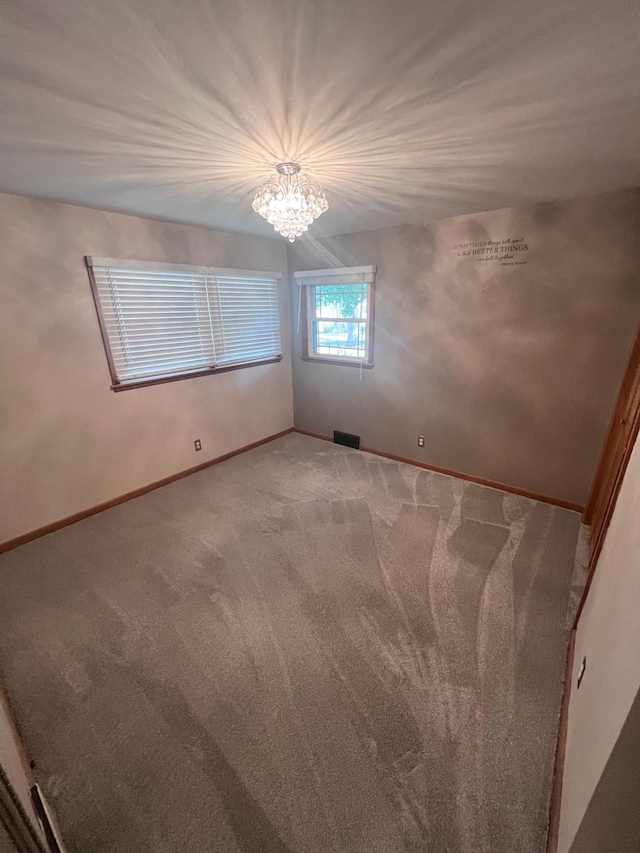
(290,200)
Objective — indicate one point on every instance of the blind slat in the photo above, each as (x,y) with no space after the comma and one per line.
(160,365)
(132,360)
(131,351)
(160,338)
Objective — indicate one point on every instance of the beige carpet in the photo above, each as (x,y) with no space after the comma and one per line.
(304,649)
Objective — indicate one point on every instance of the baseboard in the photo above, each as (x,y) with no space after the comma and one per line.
(561,750)
(468,477)
(314,434)
(136,493)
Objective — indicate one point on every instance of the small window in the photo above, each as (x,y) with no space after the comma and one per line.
(337,315)
(162,322)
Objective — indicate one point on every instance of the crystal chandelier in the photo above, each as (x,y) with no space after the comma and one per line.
(290,200)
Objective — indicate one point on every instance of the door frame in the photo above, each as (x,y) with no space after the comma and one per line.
(614,458)
(16,821)
(20,818)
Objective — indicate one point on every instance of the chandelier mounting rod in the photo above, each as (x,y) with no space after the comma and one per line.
(288,168)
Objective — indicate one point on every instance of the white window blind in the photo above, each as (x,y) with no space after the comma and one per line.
(159,320)
(250,318)
(341,275)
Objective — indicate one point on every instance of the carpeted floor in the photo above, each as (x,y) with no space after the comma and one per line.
(304,649)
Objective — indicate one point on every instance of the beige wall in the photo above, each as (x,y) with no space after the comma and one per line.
(611,823)
(509,371)
(608,635)
(67,442)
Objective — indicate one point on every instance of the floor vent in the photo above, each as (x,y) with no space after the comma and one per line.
(346,438)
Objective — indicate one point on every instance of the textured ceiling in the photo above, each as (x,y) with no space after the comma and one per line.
(405,110)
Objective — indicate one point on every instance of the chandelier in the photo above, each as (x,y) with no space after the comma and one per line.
(290,200)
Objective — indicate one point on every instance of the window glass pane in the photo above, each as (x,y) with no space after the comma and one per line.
(345,340)
(341,301)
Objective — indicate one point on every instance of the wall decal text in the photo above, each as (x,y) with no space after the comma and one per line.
(510,251)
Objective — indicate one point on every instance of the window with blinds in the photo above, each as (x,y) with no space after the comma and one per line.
(166,320)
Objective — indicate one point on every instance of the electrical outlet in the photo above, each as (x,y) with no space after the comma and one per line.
(582,671)
(420,441)
(197,444)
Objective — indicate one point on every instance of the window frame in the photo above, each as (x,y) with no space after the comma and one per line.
(118,384)
(308,316)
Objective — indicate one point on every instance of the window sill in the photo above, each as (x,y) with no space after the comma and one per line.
(175,377)
(341,362)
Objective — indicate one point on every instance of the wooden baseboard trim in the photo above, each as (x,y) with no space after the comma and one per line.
(313,434)
(468,477)
(481,481)
(561,751)
(136,493)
